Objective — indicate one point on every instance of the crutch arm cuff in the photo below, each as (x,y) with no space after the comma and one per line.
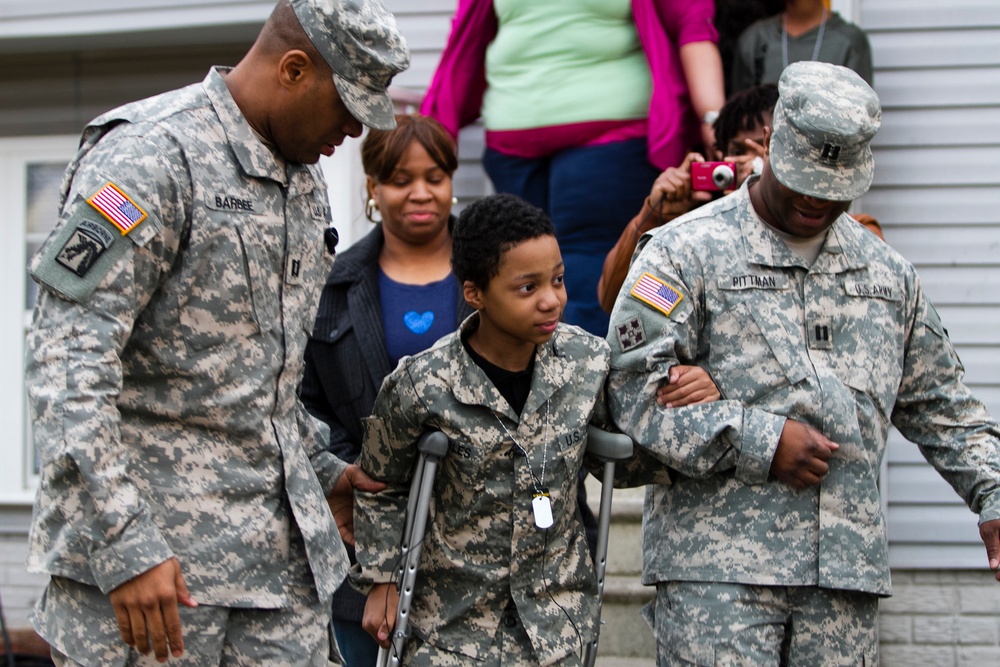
(608,446)
(433,443)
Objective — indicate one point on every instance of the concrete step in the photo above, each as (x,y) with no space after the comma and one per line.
(624,632)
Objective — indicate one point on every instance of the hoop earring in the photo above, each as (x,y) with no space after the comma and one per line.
(370,208)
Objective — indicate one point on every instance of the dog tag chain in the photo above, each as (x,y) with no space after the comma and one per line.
(541,506)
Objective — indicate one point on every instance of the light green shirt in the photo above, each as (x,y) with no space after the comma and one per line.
(564,61)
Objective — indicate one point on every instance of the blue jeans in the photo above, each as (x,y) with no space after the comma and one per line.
(357,647)
(591,193)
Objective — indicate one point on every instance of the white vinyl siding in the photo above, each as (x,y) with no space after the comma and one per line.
(937,195)
(70,24)
(426,25)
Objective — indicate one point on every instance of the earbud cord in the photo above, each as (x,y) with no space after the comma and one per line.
(784,38)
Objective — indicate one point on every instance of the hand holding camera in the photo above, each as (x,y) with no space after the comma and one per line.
(713,176)
(672,194)
(728,173)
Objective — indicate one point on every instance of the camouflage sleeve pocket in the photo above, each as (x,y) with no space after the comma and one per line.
(79,255)
(745,337)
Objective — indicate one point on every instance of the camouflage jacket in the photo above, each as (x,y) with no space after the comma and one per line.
(848,346)
(177,292)
(482,547)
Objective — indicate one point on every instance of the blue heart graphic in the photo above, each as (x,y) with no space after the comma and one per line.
(418,323)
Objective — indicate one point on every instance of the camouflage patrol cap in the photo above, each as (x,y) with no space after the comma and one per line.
(360,42)
(824,122)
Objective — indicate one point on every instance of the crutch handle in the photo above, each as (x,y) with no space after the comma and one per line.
(432,446)
(608,446)
(433,443)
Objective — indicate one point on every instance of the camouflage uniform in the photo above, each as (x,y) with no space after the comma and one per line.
(234,637)
(163,363)
(482,547)
(847,346)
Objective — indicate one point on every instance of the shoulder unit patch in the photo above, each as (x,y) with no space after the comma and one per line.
(630,334)
(84,247)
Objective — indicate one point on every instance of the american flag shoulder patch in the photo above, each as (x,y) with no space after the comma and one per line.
(118,208)
(655,293)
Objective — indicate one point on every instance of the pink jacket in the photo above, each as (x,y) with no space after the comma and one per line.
(455,95)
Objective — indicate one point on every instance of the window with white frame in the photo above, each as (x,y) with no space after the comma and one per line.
(31,170)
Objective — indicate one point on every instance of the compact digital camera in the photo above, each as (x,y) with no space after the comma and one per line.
(713,176)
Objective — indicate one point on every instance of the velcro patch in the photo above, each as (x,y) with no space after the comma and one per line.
(753,281)
(80,252)
(320,211)
(231,203)
(84,247)
(118,208)
(293,269)
(875,290)
(630,334)
(655,293)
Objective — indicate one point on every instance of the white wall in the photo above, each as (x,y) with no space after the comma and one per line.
(937,195)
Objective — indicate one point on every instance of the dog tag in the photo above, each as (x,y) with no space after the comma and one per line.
(542,509)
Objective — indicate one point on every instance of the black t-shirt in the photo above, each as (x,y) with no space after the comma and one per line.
(512,385)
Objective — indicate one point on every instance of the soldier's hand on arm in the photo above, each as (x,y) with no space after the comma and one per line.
(380,613)
(687,385)
(990,532)
(802,454)
(341,499)
(146,610)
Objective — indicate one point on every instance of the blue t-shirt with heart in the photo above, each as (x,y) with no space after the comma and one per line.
(415,316)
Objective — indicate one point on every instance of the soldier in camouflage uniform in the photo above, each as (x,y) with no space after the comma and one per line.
(177,291)
(513,390)
(769,546)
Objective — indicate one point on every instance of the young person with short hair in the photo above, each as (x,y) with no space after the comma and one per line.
(514,390)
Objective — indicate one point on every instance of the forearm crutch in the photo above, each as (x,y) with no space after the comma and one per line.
(608,448)
(433,446)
